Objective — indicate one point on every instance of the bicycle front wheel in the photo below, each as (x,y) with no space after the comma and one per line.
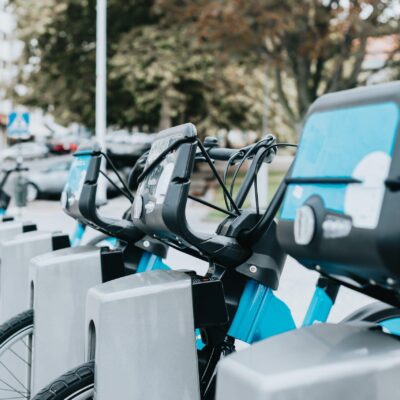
(77,384)
(16,356)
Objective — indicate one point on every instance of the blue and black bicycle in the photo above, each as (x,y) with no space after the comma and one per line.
(245,257)
(131,252)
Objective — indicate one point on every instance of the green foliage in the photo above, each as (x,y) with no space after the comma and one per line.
(204,61)
(158,73)
(309,47)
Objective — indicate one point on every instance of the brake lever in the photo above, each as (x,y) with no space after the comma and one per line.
(201,158)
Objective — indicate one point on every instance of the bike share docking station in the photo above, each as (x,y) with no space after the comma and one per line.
(16,255)
(13,260)
(15,293)
(323,361)
(144,332)
(60,281)
(339,217)
(11,228)
(140,331)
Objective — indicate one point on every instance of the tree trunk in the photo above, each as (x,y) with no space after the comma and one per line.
(165,114)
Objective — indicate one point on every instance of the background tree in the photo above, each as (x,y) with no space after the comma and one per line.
(172,61)
(308,47)
(159,73)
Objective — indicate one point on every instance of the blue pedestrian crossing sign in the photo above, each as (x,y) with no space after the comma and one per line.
(18,125)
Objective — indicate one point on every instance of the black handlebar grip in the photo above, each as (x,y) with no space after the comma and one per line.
(221,154)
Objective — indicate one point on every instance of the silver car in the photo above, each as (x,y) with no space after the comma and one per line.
(28,151)
(51,179)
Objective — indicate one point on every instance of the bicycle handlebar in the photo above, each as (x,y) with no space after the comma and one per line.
(121,229)
(160,204)
(221,154)
(15,169)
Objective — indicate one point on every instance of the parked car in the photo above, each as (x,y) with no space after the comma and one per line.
(51,179)
(125,148)
(66,144)
(28,151)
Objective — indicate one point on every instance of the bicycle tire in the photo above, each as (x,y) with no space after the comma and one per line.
(76,384)
(12,338)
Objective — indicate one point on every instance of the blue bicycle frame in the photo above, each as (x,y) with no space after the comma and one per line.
(77,236)
(261,314)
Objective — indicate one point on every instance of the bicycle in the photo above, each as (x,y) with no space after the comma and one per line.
(340,218)
(5,198)
(17,334)
(244,254)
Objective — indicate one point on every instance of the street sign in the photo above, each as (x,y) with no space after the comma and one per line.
(18,125)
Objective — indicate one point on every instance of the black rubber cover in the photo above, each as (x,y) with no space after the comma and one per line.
(112,264)
(29,227)
(266,263)
(60,241)
(209,306)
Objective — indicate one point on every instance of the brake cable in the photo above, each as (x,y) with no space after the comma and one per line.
(252,235)
(128,193)
(215,172)
(206,203)
(230,162)
(247,155)
(128,196)
(253,149)
(260,161)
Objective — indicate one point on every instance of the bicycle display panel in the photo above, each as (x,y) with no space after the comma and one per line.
(155,184)
(341,208)
(73,188)
(161,197)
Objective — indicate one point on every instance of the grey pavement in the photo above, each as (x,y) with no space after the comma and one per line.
(296,286)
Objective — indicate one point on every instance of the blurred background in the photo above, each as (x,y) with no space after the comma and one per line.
(237,69)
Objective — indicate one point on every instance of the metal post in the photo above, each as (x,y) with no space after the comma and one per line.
(101,83)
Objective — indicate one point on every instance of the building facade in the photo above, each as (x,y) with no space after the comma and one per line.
(10,50)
